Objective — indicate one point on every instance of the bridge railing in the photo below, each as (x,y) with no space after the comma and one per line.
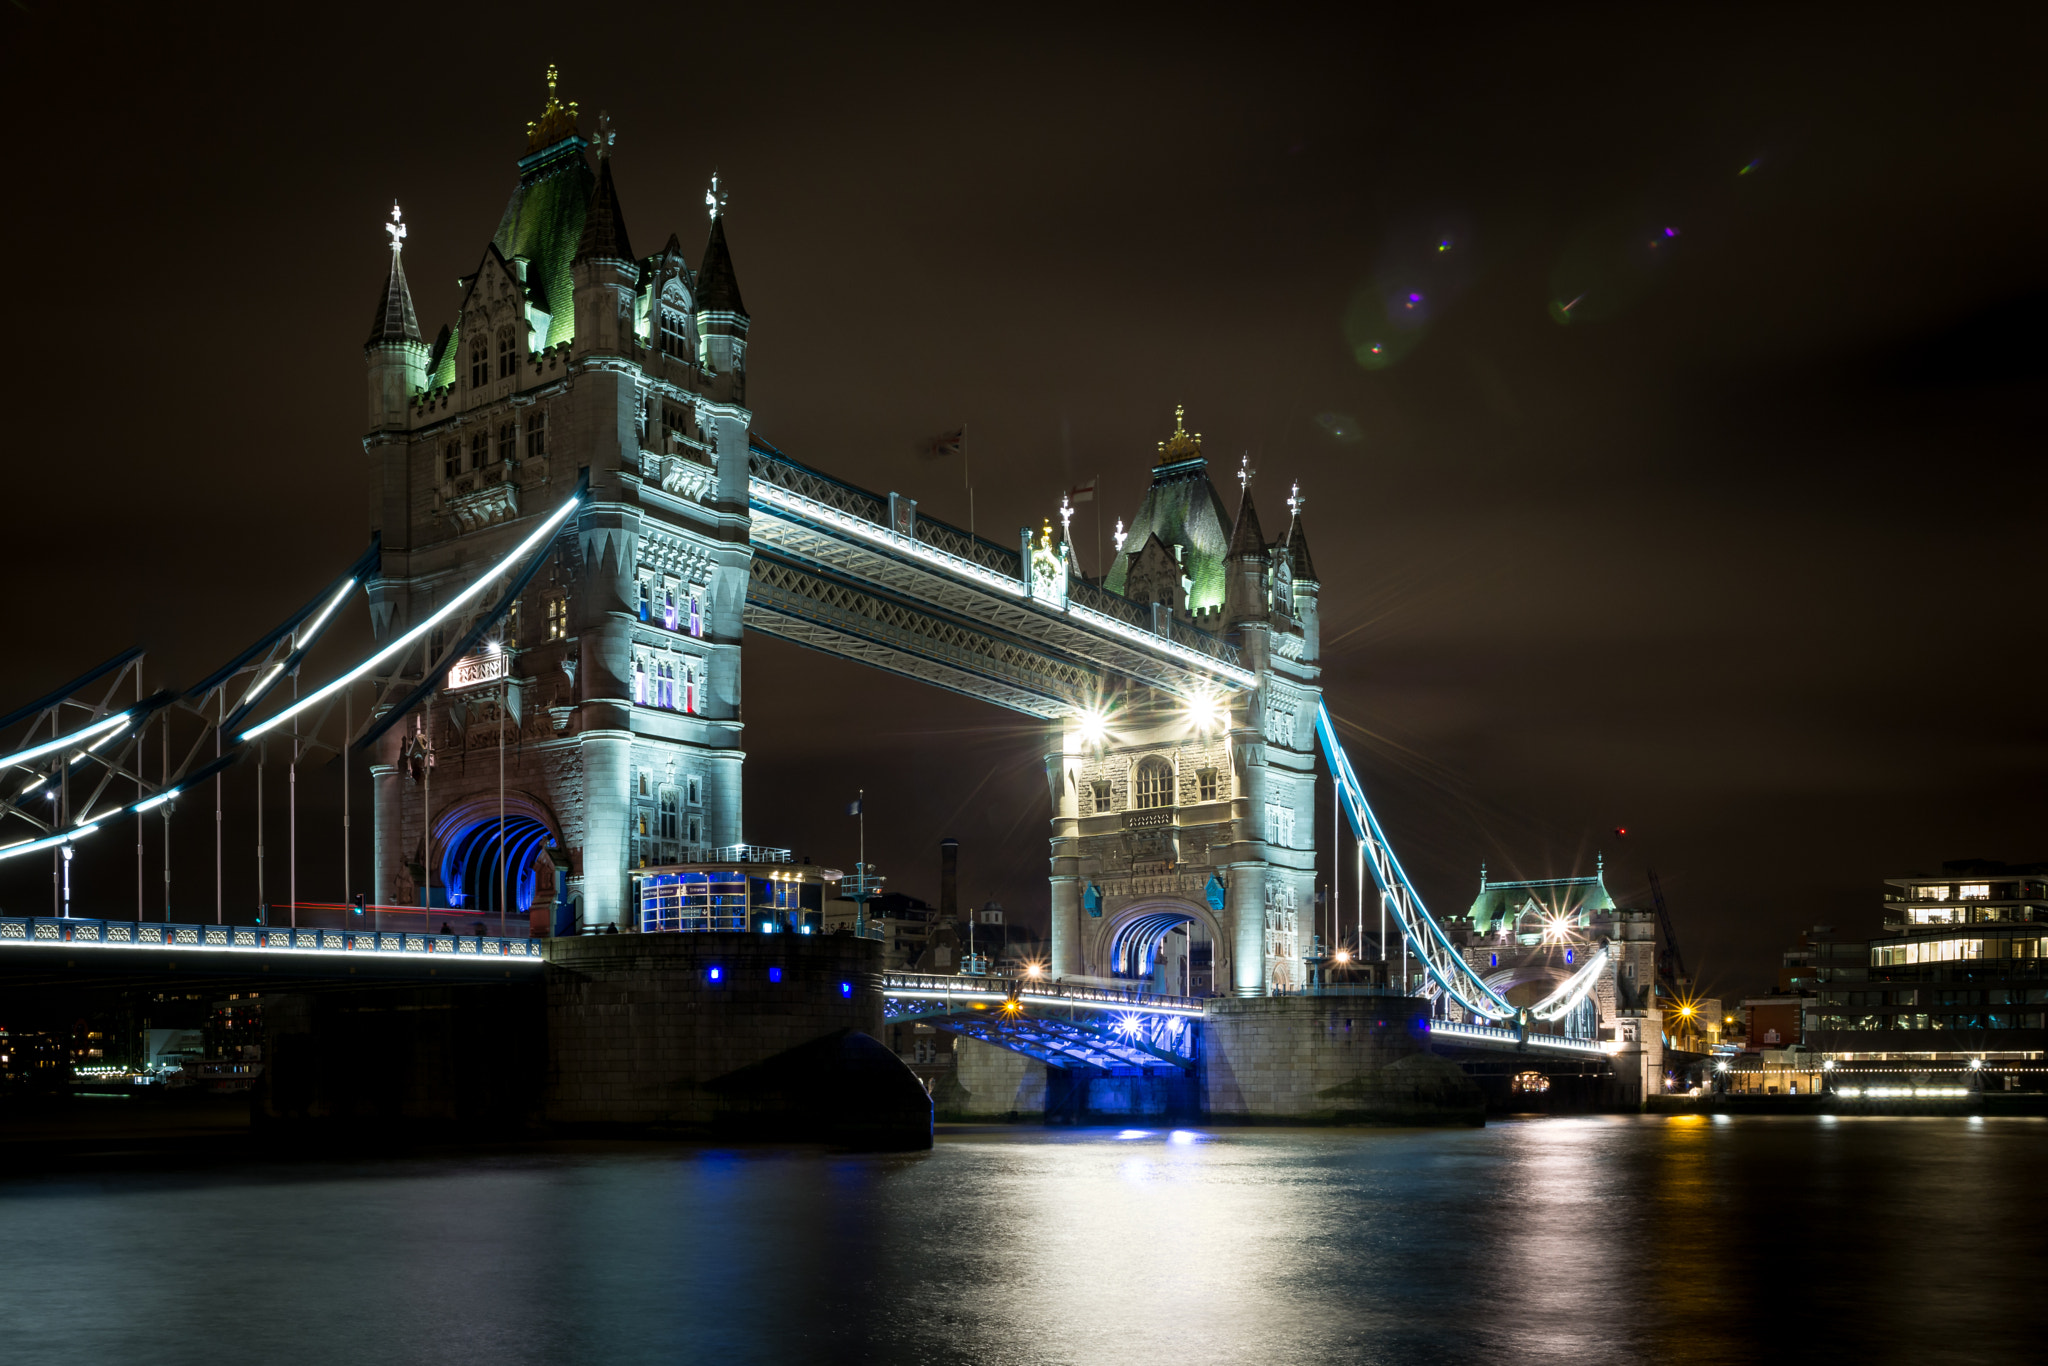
(56,932)
(1494,1036)
(1039,992)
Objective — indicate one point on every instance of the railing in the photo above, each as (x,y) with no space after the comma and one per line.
(1034,992)
(53,932)
(747,853)
(1489,1034)
(771,466)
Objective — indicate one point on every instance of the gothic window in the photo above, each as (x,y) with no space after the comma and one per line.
(690,689)
(451,459)
(508,440)
(668,606)
(674,341)
(696,830)
(671,815)
(696,791)
(639,682)
(1155,782)
(479,449)
(511,632)
(479,365)
(1205,782)
(646,782)
(537,435)
(646,599)
(1101,794)
(558,618)
(506,358)
(696,616)
(673,423)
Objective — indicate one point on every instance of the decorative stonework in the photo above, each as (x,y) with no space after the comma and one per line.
(481,507)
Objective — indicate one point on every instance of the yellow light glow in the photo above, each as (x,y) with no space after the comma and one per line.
(1033,970)
(1205,712)
(1343,955)
(1092,726)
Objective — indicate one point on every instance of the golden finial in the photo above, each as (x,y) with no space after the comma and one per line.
(1178,413)
(553,75)
(1182,444)
(557,120)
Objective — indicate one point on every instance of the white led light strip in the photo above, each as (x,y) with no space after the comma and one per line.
(66,741)
(525,548)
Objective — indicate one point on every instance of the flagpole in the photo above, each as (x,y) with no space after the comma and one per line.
(1101,569)
(860,802)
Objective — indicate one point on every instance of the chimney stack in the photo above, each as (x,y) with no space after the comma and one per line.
(949,879)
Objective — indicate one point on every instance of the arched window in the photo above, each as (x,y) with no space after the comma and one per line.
(696,616)
(675,338)
(1155,782)
(479,364)
(507,357)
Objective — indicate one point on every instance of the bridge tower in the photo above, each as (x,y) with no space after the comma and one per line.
(613,686)
(1196,816)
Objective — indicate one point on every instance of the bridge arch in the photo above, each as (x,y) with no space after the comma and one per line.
(1127,943)
(1528,983)
(466,843)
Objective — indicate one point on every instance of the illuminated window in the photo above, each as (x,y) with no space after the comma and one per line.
(1101,797)
(639,682)
(1974,891)
(1155,782)
(537,435)
(507,357)
(668,606)
(646,599)
(479,365)
(646,782)
(696,616)
(1934,893)
(479,449)
(508,440)
(558,618)
(674,337)
(1205,782)
(451,460)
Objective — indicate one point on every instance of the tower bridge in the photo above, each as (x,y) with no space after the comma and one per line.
(574,527)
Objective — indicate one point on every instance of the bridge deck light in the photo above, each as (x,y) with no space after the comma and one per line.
(1092,726)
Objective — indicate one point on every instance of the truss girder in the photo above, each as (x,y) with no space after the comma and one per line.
(1008,668)
(815,636)
(1064,1044)
(784,529)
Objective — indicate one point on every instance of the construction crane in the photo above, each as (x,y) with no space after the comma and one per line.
(1671,962)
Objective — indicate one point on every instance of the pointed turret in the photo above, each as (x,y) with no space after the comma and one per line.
(604,225)
(394,354)
(1245,561)
(1297,554)
(718,289)
(1307,608)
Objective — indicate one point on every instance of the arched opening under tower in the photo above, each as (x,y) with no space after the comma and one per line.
(1169,946)
(482,847)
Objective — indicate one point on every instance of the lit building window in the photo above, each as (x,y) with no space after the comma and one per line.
(646,599)
(1934,893)
(668,606)
(1155,782)
(537,435)
(696,616)
(1974,891)
(558,618)
(674,337)
(639,682)
(646,782)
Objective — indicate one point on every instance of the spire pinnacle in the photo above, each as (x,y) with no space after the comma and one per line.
(605,136)
(396,228)
(1244,473)
(556,121)
(1066,516)
(1182,444)
(1295,502)
(714,199)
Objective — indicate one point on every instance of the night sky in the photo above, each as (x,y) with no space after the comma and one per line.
(1691,495)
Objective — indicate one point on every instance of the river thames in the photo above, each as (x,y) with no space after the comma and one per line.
(1661,1240)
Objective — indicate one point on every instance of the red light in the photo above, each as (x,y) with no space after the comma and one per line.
(1622,831)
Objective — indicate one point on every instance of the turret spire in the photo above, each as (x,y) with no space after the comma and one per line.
(718,289)
(395,321)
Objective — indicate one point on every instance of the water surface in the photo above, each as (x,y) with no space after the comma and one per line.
(1666,1240)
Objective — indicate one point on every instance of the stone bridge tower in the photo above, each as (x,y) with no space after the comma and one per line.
(1178,823)
(614,685)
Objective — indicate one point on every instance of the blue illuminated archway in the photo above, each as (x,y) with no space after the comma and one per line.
(468,840)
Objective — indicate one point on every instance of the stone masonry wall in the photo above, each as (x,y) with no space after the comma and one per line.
(637,1028)
(1329,1060)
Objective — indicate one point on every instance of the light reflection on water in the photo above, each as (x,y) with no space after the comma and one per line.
(1580,1240)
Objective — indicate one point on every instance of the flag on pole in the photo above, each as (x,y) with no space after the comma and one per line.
(1082,493)
(853,808)
(943,445)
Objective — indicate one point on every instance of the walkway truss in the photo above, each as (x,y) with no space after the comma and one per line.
(1449,974)
(1125,1034)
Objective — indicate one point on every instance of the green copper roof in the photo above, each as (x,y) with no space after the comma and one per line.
(1577,897)
(544,223)
(1182,509)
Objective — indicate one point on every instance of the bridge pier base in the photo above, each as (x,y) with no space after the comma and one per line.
(1353,1059)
